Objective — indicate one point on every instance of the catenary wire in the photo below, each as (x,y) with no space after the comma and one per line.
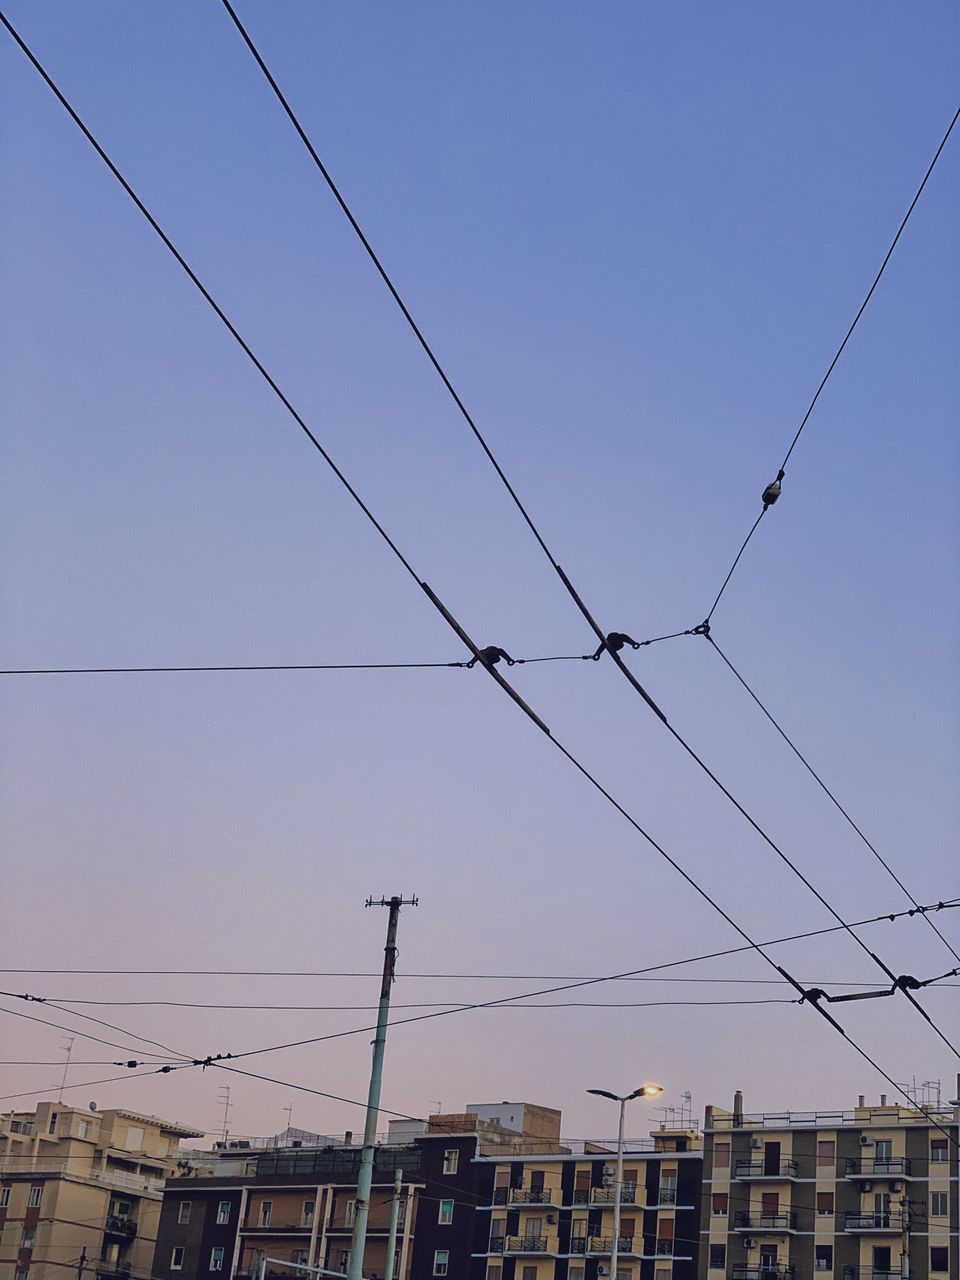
(826,790)
(301,666)
(634,975)
(586,774)
(840,350)
(84,1035)
(431,1004)
(50,1004)
(532,526)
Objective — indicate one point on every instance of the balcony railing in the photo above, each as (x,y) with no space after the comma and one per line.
(766,1221)
(497,1244)
(604,1245)
(288,1228)
(761,1169)
(120,1226)
(667,1195)
(664,1248)
(607,1195)
(525,1244)
(878,1168)
(527,1195)
(773,1271)
(873,1222)
(870,1273)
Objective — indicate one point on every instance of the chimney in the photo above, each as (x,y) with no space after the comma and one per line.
(738,1109)
(348,1138)
(860,1100)
(883,1099)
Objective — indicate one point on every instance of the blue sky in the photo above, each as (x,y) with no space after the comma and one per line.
(634,235)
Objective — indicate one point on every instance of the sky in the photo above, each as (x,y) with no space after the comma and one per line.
(635,235)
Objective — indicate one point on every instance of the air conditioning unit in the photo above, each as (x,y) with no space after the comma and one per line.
(608,1175)
(867,1186)
(756,1143)
(748,1242)
(603,1269)
(551,1218)
(865,1141)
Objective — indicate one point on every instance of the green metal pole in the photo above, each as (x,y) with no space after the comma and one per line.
(365,1177)
(394,1220)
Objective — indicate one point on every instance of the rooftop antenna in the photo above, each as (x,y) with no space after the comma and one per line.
(686,1109)
(289,1114)
(223,1094)
(68,1047)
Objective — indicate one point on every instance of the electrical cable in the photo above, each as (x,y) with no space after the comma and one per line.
(84,1035)
(16,995)
(302,666)
(477,653)
(603,636)
(633,975)
(433,1004)
(826,790)
(837,355)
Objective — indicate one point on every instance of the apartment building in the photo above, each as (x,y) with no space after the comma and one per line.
(550,1217)
(864,1194)
(251,1209)
(82,1184)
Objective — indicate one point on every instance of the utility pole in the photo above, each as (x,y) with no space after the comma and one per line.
(365,1177)
(394,1220)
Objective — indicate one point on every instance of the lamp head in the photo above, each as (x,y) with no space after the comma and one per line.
(604,1093)
(647,1091)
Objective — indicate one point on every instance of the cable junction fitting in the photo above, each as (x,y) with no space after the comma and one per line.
(772,492)
(614,642)
(491,656)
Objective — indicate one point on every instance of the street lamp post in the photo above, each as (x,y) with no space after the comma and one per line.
(645,1091)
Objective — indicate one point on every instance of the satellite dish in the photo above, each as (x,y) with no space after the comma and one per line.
(93,1106)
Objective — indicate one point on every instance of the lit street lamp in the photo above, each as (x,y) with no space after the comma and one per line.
(645,1091)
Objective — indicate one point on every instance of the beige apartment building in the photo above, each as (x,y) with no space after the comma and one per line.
(864,1194)
(81,1187)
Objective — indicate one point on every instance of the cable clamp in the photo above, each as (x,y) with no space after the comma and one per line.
(703,629)
(490,657)
(614,642)
(772,492)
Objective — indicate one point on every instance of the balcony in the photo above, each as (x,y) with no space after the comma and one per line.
(667,1195)
(874,1222)
(291,1228)
(525,1245)
(527,1195)
(603,1245)
(497,1244)
(108,1273)
(870,1273)
(116,1225)
(771,1223)
(889,1168)
(664,1249)
(774,1271)
(756,1170)
(607,1195)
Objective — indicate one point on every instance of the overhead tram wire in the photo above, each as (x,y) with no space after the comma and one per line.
(839,352)
(16,995)
(84,1035)
(470,644)
(632,975)
(279,666)
(603,636)
(828,793)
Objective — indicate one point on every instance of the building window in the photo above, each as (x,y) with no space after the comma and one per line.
(718,1256)
(824,1202)
(309,1208)
(939,1258)
(83,1129)
(574,1273)
(33,1199)
(223,1213)
(28,1237)
(720,1205)
(826,1152)
(938,1204)
(938,1151)
(721,1155)
(446,1213)
(823,1257)
(344,1259)
(19,1274)
(4,1197)
(495,1272)
(441,1262)
(451,1158)
(216,1258)
(530,1273)
(183,1214)
(350,1213)
(53,1122)
(176,1258)
(266,1209)
(623,1273)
